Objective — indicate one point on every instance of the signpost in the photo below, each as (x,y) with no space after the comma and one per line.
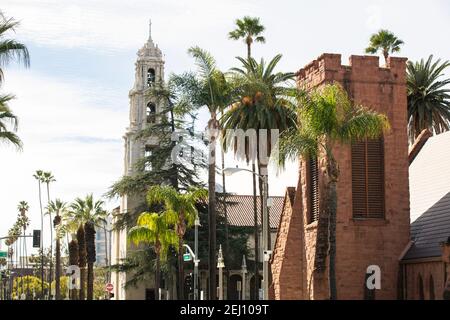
(3,254)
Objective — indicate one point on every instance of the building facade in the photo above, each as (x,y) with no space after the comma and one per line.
(373,193)
(149,70)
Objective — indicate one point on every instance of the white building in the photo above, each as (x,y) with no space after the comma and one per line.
(149,69)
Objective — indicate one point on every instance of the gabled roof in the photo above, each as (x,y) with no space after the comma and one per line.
(429,174)
(240,210)
(430,230)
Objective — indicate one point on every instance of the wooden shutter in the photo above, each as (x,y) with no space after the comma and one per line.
(313,189)
(368,179)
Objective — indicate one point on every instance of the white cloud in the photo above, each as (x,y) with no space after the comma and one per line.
(65,130)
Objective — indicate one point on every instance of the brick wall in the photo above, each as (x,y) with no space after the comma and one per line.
(360,243)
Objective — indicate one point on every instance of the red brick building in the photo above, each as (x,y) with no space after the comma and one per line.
(373,221)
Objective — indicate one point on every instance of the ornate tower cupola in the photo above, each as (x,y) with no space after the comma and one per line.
(149,69)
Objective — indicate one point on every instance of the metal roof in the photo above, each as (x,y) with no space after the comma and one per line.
(430,230)
(240,210)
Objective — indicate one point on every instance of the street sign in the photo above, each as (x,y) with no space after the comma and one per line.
(109,287)
(3,254)
(187,257)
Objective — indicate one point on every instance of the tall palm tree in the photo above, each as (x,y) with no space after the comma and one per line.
(39,177)
(209,88)
(23,208)
(263,102)
(57,207)
(47,178)
(10,49)
(249,29)
(179,210)
(428,97)
(155,229)
(90,214)
(326,117)
(384,41)
(8,123)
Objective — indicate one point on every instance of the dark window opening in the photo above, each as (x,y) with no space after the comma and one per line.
(432,296)
(151,112)
(150,294)
(420,288)
(150,77)
(368,178)
(313,185)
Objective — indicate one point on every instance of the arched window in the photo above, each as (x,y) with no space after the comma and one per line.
(431,284)
(151,111)
(420,288)
(150,77)
(234,287)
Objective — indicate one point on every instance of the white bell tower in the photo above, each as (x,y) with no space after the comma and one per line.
(149,70)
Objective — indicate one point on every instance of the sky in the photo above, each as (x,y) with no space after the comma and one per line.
(73,100)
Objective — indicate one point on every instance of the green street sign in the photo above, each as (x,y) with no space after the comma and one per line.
(187,257)
(3,254)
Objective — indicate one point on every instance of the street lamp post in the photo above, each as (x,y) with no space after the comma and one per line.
(196,260)
(220,265)
(265,231)
(244,273)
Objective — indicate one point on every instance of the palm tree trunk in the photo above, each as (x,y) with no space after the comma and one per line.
(90,281)
(256,232)
(157,275)
(331,206)
(51,243)
(212,207)
(180,270)
(42,240)
(58,270)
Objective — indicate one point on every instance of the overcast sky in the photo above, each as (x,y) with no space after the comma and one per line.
(73,101)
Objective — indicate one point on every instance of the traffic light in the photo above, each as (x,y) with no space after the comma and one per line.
(36,238)
(188,283)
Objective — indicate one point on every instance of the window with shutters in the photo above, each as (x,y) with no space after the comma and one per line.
(313,187)
(368,178)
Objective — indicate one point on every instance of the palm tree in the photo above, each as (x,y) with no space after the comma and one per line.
(57,207)
(154,229)
(8,119)
(23,207)
(39,177)
(89,214)
(209,88)
(384,41)
(9,48)
(428,97)
(327,117)
(249,29)
(179,210)
(264,101)
(47,177)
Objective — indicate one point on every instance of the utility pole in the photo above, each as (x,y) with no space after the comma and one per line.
(196,260)
(267,252)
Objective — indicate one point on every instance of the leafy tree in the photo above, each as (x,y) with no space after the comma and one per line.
(155,229)
(428,97)
(384,41)
(34,284)
(327,117)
